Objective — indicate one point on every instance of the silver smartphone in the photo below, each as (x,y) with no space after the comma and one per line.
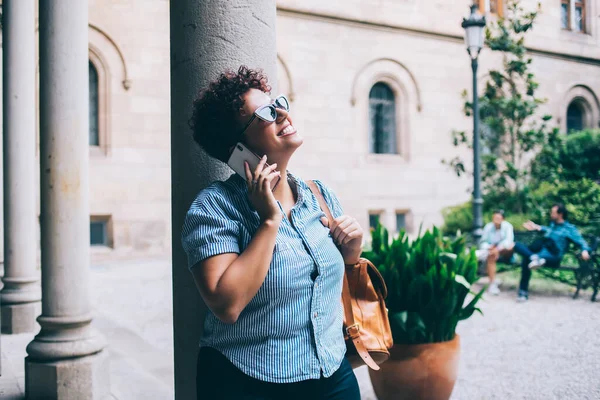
(240,154)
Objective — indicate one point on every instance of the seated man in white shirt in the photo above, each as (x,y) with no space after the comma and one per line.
(496,244)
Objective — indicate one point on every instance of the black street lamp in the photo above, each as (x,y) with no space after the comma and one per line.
(473,27)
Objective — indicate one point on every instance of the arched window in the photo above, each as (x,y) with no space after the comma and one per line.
(575,117)
(382,116)
(573,15)
(93,83)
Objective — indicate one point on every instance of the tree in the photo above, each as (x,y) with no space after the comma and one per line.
(511,127)
(568,158)
(567,170)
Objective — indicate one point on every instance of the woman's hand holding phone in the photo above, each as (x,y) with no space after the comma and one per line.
(259,190)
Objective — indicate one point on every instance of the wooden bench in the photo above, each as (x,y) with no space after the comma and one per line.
(586,273)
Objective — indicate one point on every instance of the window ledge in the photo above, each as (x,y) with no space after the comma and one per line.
(386,159)
(98,151)
(581,37)
(100,249)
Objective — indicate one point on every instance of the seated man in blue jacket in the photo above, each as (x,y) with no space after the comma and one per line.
(551,249)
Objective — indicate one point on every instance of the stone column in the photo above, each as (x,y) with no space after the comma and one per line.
(65,359)
(207,37)
(20,295)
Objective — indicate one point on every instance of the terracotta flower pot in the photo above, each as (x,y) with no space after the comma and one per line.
(418,372)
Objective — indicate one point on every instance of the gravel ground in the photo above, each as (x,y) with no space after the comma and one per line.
(547,348)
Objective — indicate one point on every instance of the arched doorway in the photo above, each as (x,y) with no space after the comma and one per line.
(576,116)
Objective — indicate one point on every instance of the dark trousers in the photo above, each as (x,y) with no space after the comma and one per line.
(526,253)
(217,378)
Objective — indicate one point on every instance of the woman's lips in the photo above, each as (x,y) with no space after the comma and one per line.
(287,131)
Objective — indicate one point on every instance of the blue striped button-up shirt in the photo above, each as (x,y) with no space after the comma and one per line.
(292,329)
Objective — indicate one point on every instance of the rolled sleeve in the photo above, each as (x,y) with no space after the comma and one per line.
(576,237)
(206,233)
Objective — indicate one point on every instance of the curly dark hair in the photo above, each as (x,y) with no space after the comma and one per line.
(213,121)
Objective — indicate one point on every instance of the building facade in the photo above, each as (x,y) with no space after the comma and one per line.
(375,89)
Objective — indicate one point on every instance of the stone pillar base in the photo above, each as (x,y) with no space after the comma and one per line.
(78,378)
(20,318)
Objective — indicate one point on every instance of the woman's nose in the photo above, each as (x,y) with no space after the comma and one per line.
(281,115)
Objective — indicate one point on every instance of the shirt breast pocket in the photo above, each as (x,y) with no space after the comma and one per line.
(315,219)
(281,247)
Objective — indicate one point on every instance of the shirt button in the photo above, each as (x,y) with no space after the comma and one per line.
(316,315)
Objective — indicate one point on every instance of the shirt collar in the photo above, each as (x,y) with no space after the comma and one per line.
(299,186)
(296,183)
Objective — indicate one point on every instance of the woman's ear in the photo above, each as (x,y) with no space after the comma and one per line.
(242,112)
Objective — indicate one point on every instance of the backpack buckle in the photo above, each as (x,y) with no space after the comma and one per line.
(353,330)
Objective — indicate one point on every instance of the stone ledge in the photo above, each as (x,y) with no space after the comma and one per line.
(79,378)
(20,318)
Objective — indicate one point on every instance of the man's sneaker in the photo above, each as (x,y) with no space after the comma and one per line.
(536,262)
(523,296)
(493,289)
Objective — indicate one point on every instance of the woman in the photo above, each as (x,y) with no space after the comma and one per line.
(266,263)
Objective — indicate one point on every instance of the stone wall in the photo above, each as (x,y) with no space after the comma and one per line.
(335,51)
(329,55)
(130,181)
(333,66)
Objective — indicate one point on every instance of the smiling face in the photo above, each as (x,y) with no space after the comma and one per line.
(278,139)
(497,218)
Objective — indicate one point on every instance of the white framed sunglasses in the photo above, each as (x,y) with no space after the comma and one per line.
(268,112)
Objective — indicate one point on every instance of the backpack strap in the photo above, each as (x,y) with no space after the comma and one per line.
(351,329)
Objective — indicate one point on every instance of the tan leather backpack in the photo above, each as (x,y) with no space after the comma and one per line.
(366,325)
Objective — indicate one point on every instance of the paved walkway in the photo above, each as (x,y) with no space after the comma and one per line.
(548,348)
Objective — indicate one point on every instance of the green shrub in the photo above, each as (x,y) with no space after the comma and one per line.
(581,197)
(508,200)
(428,280)
(457,218)
(580,156)
(517,221)
(569,158)
(460,218)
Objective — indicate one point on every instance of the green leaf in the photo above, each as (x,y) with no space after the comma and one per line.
(467,311)
(461,279)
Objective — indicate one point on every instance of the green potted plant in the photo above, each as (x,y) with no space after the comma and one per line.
(428,281)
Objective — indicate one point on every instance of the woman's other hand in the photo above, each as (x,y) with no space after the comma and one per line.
(347,233)
(259,190)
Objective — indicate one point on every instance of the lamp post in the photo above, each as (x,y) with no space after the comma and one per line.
(473,27)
